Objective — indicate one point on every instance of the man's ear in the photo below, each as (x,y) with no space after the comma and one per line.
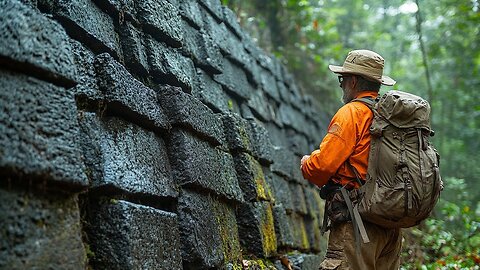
(354,82)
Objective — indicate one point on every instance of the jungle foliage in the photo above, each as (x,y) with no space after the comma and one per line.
(431,48)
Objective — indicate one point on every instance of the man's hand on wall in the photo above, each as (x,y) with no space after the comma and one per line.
(304,159)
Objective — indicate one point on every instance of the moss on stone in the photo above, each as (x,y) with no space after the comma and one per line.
(226,220)
(268,232)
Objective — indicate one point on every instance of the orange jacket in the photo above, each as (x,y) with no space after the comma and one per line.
(348,138)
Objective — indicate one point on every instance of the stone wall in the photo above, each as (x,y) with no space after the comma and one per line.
(149,134)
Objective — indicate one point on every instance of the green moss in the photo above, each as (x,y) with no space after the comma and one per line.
(242,132)
(268,232)
(88,251)
(113,201)
(262,189)
(305,242)
(230,104)
(226,221)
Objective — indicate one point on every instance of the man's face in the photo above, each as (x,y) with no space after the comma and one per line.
(346,83)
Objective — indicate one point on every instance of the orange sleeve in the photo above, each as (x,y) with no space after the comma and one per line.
(335,148)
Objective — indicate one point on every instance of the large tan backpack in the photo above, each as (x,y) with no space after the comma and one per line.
(403,180)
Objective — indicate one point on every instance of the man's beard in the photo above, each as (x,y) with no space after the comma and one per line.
(347,96)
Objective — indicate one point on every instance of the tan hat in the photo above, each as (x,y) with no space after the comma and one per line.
(365,63)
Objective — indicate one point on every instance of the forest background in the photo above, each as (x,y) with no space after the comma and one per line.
(431,48)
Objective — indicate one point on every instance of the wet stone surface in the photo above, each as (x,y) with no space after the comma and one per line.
(200,232)
(251,178)
(262,147)
(237,133)
(185,111)
(132,41)
(127,97)
(202,49)
(126,157)
(40,231)
(39,131)
(190,11)
(32,43)
(145,237)
(162,20)
(197,163)
(210,93)
(86,22)
(234,80)
(256,228)
(168,66)
(282,227)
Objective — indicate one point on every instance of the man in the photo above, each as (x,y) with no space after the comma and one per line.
(342,159)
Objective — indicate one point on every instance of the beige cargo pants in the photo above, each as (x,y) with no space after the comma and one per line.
(382,253)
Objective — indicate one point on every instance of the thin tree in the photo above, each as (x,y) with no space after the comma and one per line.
(418,18)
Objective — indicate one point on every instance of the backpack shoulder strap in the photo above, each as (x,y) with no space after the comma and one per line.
(369,101)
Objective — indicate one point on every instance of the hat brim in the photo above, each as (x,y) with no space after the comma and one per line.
(386,80)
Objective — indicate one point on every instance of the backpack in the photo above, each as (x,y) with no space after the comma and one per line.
(403,178)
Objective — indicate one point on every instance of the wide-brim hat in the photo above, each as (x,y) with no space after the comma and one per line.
(365,63)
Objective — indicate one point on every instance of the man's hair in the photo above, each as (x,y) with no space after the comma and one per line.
(366,85)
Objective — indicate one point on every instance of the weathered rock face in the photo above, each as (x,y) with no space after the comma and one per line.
(149,135)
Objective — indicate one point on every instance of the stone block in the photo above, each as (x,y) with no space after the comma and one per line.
(283,92)
(33,44)
(184,110)
(299,231)
(266,61)
(298,198)
(219,33)
(124,235)
(262,147)
(234,80)
(315,204)
(168,66)
(291,117)
(127,97)
(202,49)
(277,136)
(133,48)
(227,224)
(208,231)
(196,163)
(238,133)
(120,10)
(191,12)
(260,106)
(299,141)
(230,19)
(86,91)
(122,156)
(39,131)
(256,229)
(269,84)
(281,191)
(305,261)
(162,20)
(251,178)
(210,93)
(40,231)
(214,7)
(286,163)
(86,22)
(313,226)
(252,70)
(237,54)
(282,227)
